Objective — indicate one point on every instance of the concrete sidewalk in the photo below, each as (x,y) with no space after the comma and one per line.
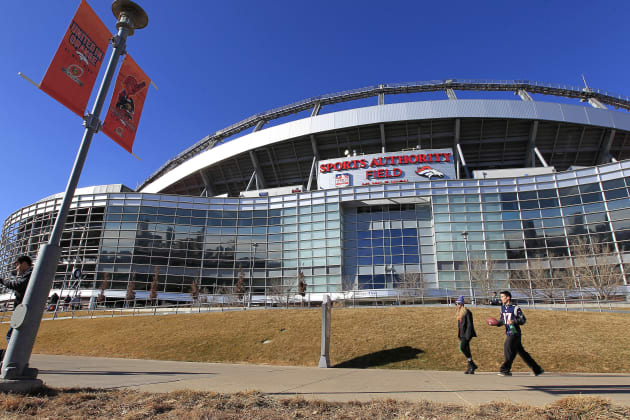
(327,384)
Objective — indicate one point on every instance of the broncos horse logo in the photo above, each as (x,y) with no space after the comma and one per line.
(429,172)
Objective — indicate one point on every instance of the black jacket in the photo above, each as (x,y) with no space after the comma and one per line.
(18,285)
(466,327)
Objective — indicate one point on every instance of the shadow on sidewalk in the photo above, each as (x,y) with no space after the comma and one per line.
(582,389)
(381,358)
(115,373)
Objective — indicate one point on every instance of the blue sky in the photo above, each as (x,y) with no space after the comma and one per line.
(217,62)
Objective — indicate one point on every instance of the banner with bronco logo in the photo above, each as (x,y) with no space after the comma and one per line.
(386,168)
(73,70)
(123,114)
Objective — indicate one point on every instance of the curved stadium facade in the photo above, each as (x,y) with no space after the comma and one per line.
(359,198)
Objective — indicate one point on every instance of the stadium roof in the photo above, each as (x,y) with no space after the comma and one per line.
(592,132)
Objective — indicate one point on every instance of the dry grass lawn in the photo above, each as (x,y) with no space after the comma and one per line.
(126,404)
(400,338)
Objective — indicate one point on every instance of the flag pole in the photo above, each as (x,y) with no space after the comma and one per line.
(27,316)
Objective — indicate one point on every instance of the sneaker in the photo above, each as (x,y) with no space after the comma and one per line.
(540,372)
(504,373)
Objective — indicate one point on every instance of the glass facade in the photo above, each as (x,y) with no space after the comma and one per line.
(364,237)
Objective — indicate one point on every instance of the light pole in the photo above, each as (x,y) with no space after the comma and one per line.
(28,315)
(472,292)
(252,258)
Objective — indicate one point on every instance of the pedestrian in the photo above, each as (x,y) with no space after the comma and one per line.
(512,318)
(465,332)
(494,301)
(23,270)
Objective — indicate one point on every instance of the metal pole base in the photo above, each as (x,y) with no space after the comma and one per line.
(20,386)
(324,362)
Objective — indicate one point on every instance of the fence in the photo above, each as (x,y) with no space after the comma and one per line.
(583,299)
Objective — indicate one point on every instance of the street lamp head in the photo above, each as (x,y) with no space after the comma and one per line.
(465,234)
(125,11)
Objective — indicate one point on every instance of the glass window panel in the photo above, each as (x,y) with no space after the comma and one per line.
(445,217)
(511,215)
(440,208)
(614,194)
(318,217)
(318,234)
(547,193)
(566,191)
(494,226)
(509,205)
(613,183)
(492,207)
(530,214)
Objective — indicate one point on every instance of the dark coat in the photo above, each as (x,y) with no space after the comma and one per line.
(466,327)
(19,284)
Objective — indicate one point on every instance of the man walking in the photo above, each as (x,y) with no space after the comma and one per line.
(512,317)
(23,270)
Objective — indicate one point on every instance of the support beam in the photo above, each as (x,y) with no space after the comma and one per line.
(316,108)
(531,144)
(524,95)
(260,180)
(604,151)
(451,94)
(314,146)
(456,145)
(251,180)
(310,176)
(462,160)
(381,96)
(540,157)
(596,104)
(260,125)
(383,148)
(208,187)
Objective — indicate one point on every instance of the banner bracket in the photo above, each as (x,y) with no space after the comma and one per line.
(25,77)
(90,121)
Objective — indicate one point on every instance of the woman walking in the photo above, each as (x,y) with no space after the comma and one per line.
(465,332)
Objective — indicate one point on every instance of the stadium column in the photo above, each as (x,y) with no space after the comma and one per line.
(531,144)
(260,180)
(604,151)
(383,145)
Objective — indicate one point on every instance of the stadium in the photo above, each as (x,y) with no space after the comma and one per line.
(391,186)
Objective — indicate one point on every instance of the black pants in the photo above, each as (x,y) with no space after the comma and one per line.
(464,346)
(511,348)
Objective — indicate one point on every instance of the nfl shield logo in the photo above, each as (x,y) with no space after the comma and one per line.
(342,180)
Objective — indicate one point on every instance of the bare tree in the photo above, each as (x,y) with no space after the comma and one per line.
(412,285)
(541,277)
(483,274)
(153,292)
(194,290)
(240,283)
(597,266)
(104,285)
(301,286)
(278,291)
(130,296)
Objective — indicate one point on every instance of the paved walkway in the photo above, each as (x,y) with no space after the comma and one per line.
(326,384)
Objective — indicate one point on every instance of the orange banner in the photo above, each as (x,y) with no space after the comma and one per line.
(128,98)
(73,70)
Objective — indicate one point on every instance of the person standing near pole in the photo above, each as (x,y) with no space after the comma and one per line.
(23,270)
(465,333)
(512,317)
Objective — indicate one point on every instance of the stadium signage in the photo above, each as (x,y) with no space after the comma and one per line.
(386,168)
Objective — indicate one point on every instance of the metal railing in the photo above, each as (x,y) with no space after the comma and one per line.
(574,299)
